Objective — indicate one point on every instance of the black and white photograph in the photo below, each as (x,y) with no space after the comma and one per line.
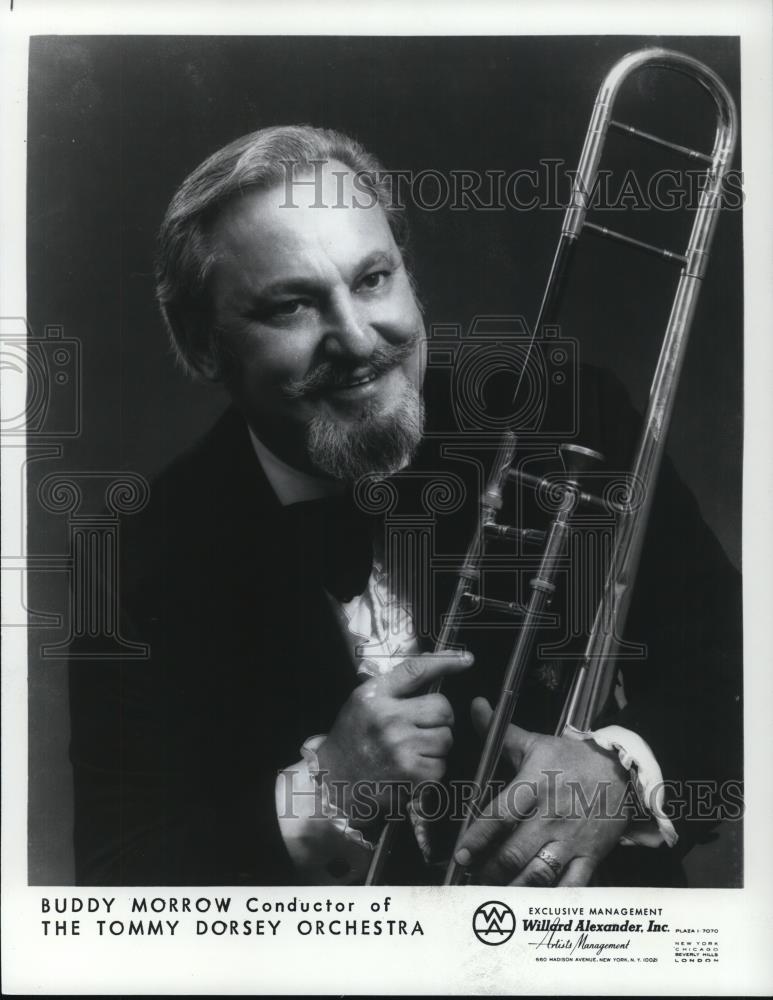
(379,549)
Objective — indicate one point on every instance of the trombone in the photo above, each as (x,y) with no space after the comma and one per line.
(594,676)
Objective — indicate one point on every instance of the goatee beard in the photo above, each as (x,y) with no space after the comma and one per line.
(375,443)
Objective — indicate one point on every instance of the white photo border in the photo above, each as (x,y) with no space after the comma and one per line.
(447,959)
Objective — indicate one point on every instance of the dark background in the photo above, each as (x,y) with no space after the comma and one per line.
(115,124)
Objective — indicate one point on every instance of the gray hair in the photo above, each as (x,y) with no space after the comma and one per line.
(185,255)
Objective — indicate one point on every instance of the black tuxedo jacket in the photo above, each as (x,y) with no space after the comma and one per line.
(175,758)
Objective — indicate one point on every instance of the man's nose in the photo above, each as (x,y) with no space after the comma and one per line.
(347,332)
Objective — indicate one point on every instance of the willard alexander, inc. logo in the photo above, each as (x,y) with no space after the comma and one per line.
(493,922)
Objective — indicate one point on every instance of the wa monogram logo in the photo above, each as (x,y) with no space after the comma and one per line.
(493,922)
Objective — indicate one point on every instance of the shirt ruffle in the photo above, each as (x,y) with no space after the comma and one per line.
(638,759)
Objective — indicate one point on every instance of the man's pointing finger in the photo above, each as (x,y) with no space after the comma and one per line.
(418,672)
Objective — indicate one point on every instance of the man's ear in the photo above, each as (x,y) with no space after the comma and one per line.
(201,358)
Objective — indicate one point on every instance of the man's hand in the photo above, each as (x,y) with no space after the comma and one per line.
(561,816)
(387,732)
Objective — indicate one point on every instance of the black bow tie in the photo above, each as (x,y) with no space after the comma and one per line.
(336,543)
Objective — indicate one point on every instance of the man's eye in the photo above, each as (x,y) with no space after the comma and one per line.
(375,279)
(284,309)
(288,308)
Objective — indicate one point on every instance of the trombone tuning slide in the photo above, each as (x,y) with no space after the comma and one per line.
(504,607)
(528,535)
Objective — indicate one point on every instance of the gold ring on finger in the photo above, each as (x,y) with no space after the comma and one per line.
(550,860)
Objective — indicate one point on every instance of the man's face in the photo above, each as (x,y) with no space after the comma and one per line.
(315,309)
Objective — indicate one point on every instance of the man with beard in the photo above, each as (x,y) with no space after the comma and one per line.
(285,670)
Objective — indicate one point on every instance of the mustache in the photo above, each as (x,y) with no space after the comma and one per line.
(333,375)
